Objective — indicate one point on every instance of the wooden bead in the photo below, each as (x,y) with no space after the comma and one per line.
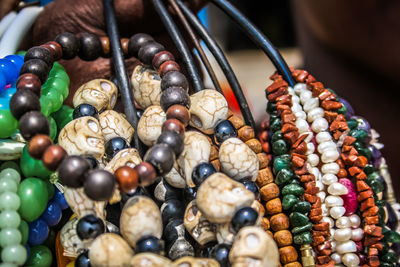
(173,125)
(214,153)
(273,206)
(265,224)
(168,66)
(105,46)
(178,112)
(293,264)
(263,159)
(246,133)
(124,45)
(283,238)
(55,50)
(216,164)
(53,156)
(279,222)
(254,145)
(146,172)
(38,145)
(128,179)
(162,57)
(269,191)
(288,254)
(264,177)
(236,121)
(29,81)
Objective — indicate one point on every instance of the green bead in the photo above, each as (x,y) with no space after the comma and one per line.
(24,229)
(9,236)
(386,264)
(301,229)
(9,219)
(333,92)
(298,219)
(8,184)
(368,169)
(15,254)
(352,124)
(303,238)
(8,123)
(390,257)
(342,110)
(11,165)
(32,167)
(392,237)
(53,128)
(40,257)
(22,53)
(360,135)
(271,107)
(53,97)
(61,74)
(302,206)
(34,196)
(280,147)
(57,84)
(293,189)
(273,116)
(11,173)
(50,189)
(373,175)
(9,201)
(63,116)
(376,185)
(276,136)
(45,106)
(284,176)
(276,125)
(281,162)
(295,181)
(288,201)
(5,264)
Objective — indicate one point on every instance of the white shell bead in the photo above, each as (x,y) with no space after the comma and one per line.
(332,168)
(321,195)
(305,95)
(343,222)
(313,159)
(355,220)
(329,178)
(337,212)
(328,220)
(296,107)
(323,137)
(302,125)
(330,156)
(333,201)
(328,145)
(311,104)
(346,247)
(357,234)
(343,234)
(320,125)
(337,189)
(310,148)
(336,258)
(314,114)
(325,210)
(299,87)
(300,115)
(350,260)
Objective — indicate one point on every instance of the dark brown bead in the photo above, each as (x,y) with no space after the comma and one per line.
(173,125)
(53,156)
(148,51)
(137,41)
(99,185)
(72,171)
(90,47)
(147,173)
(105,46)
(128,178)
(29,81)
(33,123)
(22,102)
(37,67)
(162,57)
(38,145)
(180,113)
(55,50)
(168,66)
(173,96)
(173,140)
(38,52)
(174,79)
(69,44)
(162,157)
(124,45)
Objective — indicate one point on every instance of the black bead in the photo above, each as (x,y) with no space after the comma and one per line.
(246,216)
(22,102)
(83,260)
(90,47)
(92,161)
(83,110)
(201,172)
(252,186)
(139,113)
(207,248)
(170,233)
(38,52)
(161,157)
(148,51)
(189,194)
(224,130)
(174,95)
(173,140)
(72,171)
(149,244)
(37,67)
(221,254)
(172,209)
(174,79)
(89,227)
(114,145)
(32,123)
(164,192)
(69,44)
(140,191)
(136,42)
(99,185)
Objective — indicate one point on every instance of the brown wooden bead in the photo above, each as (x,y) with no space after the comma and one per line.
(236,121)
(162,57)
(293,264)
(264,177)
(269,191)
(213,153)
(105,46)
(168,66)
(146,172)
(55,49)
(283,238)
(288,254)
(53,156)
(246,133)
(265,224)
(173,125)
(29,81)
(254,145)
(274,206)
(279,222)
(124,45)
(128,178)
(178,112)
(216,164)
(38,144)
(263,160)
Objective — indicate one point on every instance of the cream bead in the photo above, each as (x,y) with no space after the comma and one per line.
(114,124)
(331,233)
(302,125)
(322,137)
(305,95)
(313,159)
(350,259)
(311,104)
(336,258)
(314,114)
(329,179)
(333,245)
(299,87)
(321,195)
(355,220)
(357,234)
(319,125)
(346,247)
(330,156)
(329,145)
(320,185)
(337,212)
(149,126)
(296,107)
(291,91)
(100,93)
(146,87)
(300,115)
(333,201)
(343,222)
(296,100)
(310,148)
(328,220)
(332,168)
(325,210)
(337,189)
(315,171)
(343,234)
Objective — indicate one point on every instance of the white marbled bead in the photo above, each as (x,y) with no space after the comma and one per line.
(321,195)
(332,168)
(305,95)
(325,146)
(355,220)
(314,114)
(302,125)
(329,178)
(337,189)
(299,87)
(325,210)
(319,125)
(300,115)
(343,234)
(333,201)
(296,107)
(357,234)
(351,260)
(310,148)
(337,212)
(328,220)
(346,247)
(330,156)
(322,137)
(336,258)
(313,159)
(311,104)
(343,222)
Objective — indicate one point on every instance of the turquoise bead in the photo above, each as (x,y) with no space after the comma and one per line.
(300,229)
(34,196)
(11,165)
(9,219)
(280,147)
(9,201)
(293,189)
(288,201)
(302,207)
(24,229)
(281,162)
(360,135)
(303,238)
(284,176)
(11,173)
(9,236)
(298,219)
(14,254)
(352,124)
(8,184)
(41,256)
(390,257)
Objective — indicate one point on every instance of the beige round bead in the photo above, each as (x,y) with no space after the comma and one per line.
(146,86)
(113,124)
(100,93)
(149,126)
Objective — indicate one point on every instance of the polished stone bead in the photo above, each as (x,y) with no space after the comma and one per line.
(174,126)
(53,156)
(289,201)
(276,136)
(303,238)
(246,216)
(90,47)
(38,232)
(221,254)
(31,82)
(173,140)
(174,96)
(147,173)
(128,178)
(301,229)
(32,167)
(7,184)
(9,201)
(298,219)
(189,194)
(99,185)
(72,171)
(15,254)
(52,214)
(224,130)
(85,110)
(149,244)
(55,50)
(390,257)
(360,135)
(293,189)
(41,53)
(275,125)
(281,162)
(37,67)
(302,207)
(22,102)
(279,147)
(38,145)
(33,194)
(148,51)
(392,237)
(83,260)
(172,209)
(33,123)
(161,157)
(376,185)
(174,79)
(284,176)
(89,227)
(40,256)
(9,219)
(251,186)
(178,112)
(124,46)
(162,57)
(9,236)
(201,172)
(167,67)
(69,44)
(137,41)
(115,145)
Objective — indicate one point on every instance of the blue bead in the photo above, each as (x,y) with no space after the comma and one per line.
(28,250)
(52,214)
(17,60)
(2,82)
(8,93)
(60,199)
(38,232)
(4,103)
(9,70)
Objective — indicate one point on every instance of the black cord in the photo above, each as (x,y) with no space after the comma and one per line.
(120,70)
(222,61)
(258,38)
(180,45)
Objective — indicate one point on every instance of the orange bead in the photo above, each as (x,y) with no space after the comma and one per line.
(53,156)
(38,144)
(128,178)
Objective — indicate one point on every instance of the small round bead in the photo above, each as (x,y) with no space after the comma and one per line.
(279,222)
(83,110)
(124,46)
(83,260)
(174,79)
(99,185)
(37,67)
(38,52)
(244,217)
(33,123)
(252,186)
(137,41)
(162,57)
(128,178)
(90,47)
(53,156)
(147,173)
(173,140)
(69,44)
(173,96)
(171,209)
(31,82)
(105,46)
(148,51)
(202,171)
(161,157)
(168,66)
(221,254)
(224,130)
(22,102)
(178,112)
(89,227)
(189,194)
(149,244)
(72,171)
(283,238)
(92,161)
(38,145)
(114,145)
(55,50)
(173,125)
